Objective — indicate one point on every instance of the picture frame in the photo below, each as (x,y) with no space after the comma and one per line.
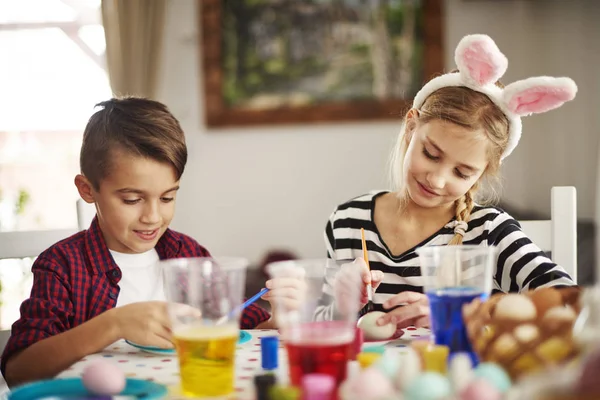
(304,99)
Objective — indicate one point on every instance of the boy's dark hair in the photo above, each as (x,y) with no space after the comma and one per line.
(136,126)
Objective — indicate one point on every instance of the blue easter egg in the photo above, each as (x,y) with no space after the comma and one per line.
(428,386)
(495,375)
(374,349)
(388,364)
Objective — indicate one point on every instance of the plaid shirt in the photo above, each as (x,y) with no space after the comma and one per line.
(77,279)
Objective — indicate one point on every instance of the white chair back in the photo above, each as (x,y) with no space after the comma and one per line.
(85,214)
(21,244)
(29,244)
(559,234)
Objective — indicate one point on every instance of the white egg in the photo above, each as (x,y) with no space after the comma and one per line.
(368,324)
(460,371)
(526,333)
(410,368)
(515,307)
(561,314)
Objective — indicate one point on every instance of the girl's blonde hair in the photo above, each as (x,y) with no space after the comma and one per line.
(471,110)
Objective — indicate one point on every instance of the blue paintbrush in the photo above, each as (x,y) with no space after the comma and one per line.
(243,306)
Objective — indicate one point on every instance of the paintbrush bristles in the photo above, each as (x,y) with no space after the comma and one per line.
(364,248)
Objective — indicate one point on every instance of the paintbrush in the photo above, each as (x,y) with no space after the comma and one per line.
(251,300)
(370,304)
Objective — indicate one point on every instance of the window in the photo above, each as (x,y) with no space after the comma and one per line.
(52,74)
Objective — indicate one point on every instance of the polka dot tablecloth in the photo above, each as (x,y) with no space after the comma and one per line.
(165,369)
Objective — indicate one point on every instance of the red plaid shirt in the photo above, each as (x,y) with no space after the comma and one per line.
(77,279)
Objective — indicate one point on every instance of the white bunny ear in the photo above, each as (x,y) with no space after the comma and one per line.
(479,60)
(538,95)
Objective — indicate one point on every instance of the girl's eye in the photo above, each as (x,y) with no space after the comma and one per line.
(461,175)
(429,155)
(167,199)
(131,202)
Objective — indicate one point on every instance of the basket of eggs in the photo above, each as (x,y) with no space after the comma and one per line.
(524,333)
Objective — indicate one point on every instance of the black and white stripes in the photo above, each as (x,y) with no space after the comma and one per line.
(521,264)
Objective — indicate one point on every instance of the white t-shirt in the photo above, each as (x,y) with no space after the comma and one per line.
(141,279)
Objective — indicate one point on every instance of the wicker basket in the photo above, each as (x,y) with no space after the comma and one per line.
(521,347)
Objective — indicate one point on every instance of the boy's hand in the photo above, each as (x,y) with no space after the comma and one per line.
(285,294)
(349,275)
(145,323)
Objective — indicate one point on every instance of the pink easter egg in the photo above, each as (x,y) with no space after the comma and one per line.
(103,378)
(370,384)
(480,389)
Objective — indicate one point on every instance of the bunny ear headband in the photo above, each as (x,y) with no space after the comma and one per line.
(481,64)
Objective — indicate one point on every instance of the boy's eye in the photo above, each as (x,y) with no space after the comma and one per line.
(131,202)
(167,199)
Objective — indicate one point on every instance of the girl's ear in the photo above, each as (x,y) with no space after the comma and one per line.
(412,118)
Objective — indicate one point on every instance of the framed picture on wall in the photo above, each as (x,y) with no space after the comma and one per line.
(312,61)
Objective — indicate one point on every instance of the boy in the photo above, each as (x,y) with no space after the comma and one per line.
(103,284)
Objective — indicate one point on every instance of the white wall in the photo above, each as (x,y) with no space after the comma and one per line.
(545,37)
(249,190)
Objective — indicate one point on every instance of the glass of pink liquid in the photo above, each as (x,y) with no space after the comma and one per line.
(318,333)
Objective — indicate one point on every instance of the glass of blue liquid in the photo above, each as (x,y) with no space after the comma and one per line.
(452,277)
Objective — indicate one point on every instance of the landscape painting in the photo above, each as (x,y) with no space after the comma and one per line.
(295,61)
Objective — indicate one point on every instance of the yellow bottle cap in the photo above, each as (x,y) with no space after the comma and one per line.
(367,359)
(435,358)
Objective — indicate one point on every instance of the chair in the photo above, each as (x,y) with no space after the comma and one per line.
(29,244)
(85,214)
(559,234)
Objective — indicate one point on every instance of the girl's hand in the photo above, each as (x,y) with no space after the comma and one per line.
(414,311)
(350,275)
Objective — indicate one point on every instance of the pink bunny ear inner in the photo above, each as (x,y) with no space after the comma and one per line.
(479,59)
(544,94)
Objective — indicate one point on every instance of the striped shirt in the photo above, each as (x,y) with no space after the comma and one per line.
(521,265)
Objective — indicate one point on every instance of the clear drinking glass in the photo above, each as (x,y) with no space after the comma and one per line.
(205,295)
(318,333)
(452,277)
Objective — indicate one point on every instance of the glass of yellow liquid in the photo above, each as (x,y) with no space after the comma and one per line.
(205,297)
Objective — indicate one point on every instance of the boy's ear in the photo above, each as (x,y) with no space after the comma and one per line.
(411,124)
(84,187)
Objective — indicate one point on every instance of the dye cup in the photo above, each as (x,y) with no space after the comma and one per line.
(452,277)
(319,330)
(204,297)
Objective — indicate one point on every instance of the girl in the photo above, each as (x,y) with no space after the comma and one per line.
(454,138)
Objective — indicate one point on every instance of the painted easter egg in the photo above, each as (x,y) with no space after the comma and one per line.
(103,378)
(369,384)
(480,389)
(429,386)
(495,375)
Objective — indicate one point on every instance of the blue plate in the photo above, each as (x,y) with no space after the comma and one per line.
(244,337)
(72,388)
(152,349)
